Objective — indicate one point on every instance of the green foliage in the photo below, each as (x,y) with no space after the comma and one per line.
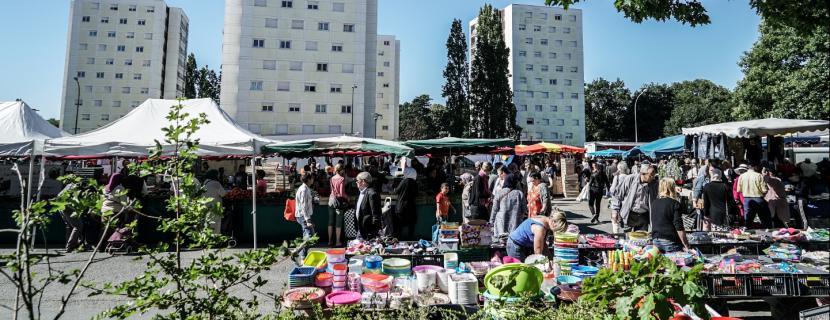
(54,122)
(492,112)
(691,12)
(457,83)
(605,103)
(415,120)
(209,84)
(191,77)
(642,292)
(653,109)
(697,103)
(786,74)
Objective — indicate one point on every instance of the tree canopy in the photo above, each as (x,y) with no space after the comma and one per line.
(697,103)
(605,103)
(455,89)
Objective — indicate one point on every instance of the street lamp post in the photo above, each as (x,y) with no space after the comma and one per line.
(77,105)
(377,116)
(351,108)
(636,137)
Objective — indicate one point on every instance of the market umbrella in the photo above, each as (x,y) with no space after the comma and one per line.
(457,145)
(545,147)
(607,153)
(336,145)
(759,127)
(661,147)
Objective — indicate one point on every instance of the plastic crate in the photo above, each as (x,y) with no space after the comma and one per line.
(818,313)
(301,277)
(473,254)
(811,285)
(727,285)
(434,260)
(769,284)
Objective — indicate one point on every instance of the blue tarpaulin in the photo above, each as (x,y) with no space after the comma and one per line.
(607,153)
(662,147)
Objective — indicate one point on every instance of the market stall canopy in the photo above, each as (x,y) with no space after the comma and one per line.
(545,147)
(457,145)
(22,129)
(661,147)
(759,127)
(136,133)
(336,145)
(607,153)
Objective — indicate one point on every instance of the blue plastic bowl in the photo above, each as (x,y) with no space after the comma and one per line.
(568,279)
(588,270)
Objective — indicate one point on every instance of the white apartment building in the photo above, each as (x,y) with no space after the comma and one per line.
(121,53)
(388,87)
(546,64)
(300,67)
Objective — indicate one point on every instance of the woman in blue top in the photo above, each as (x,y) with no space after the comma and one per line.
(529,237)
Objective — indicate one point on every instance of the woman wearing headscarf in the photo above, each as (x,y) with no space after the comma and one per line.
(405,212)
(717,198)
(467,183)
(615,202)
(509,207)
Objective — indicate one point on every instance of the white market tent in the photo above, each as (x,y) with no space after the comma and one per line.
(759,127)
(134,134)
(137,132)
(22,130)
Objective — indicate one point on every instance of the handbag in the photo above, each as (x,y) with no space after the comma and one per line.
(583,195)
(290,207)
(350,229)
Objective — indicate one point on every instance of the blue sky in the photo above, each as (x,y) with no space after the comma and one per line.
(34,38)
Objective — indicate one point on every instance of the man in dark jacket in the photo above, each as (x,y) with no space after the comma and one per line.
(406,215)
(368,208)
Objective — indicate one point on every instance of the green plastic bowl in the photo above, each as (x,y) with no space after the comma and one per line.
(528,280)
(316,259)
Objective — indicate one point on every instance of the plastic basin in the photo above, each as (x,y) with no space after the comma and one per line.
(528,279)
(316,259)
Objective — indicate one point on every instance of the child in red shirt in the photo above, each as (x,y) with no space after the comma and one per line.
(442,203)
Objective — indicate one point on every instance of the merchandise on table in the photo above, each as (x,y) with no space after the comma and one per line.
(315,259)
(397,267)
(476,233)
(342,298)
(817,234)
(301,277)
(448,236)
(784,252)
(463,288)
(789,235)
(528,280)
(303,298)
(600,241)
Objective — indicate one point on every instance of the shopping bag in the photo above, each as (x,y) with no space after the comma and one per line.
(386,212)
(350,229)
(583,195)
(290,206)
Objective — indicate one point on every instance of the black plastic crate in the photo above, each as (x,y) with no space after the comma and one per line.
(435,260)
(818,313)
(811,285)
(769,284)
(727,285)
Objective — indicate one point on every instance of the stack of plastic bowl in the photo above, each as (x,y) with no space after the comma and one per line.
(340,280)
(568,280)
(451,260)
(372,264)
(566,239)
(463,289)
(356,265)
(583,272)
(354,282)
(301,277)
(303,298)
(324,280)
(397,267)
(566,258)
(342,298)
(378,283)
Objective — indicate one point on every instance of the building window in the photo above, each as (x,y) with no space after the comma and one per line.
(560,68)
(93,33)
(552,82)
(544,94)
(380,95)
(575,122)
(568,82)
(269,64)
(348,27)
(126,90)
(130,35)
(337,47)
(335,129)
(311,45)
(569,135)
(297,24)
(346,109)
(560,122)
(323,67)
(567,56)
(522,27)
(523,53)
(557,17)
(529,40)
(348,68)
(537,28)
(308,129)
(574,96)
(320,108)
(380,74)
(145,63)
(83,46)
(552,29)
(105,19)
(114,7)
(543,15)
(323,26)
(537,54)
(528,14)
(282,129)
(148,36)
(336,88)
(287,4)
(544,68)
(116,104)
(574,69)
(537,108)
(121,48)
(102,47)
(313,5)
(338,7)
(136,76)
(122,21)
(310,87)
(530,121)
(296,66)
(529,67)
(139,49)
(283,86)
(546,122)
(99,75)
(132,8)
(151,9)
(98,103)
(256,85)
(145,90)
(284,44)
(572,44)
(142,22)
(522,107)
(293,107)
(85,19)
(572,18)
(88,88)
(260,3)
(259,43)
(105,117)
(90,60)
(270,22)
(386,85)
(566,30)
(387,64)
(544,42)
(267,107)
(522,80)
(558,43)
(560,95)
(111,34)
(85,116)
(569,108)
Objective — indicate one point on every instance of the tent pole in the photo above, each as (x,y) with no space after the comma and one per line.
(29,188)
(253,194)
